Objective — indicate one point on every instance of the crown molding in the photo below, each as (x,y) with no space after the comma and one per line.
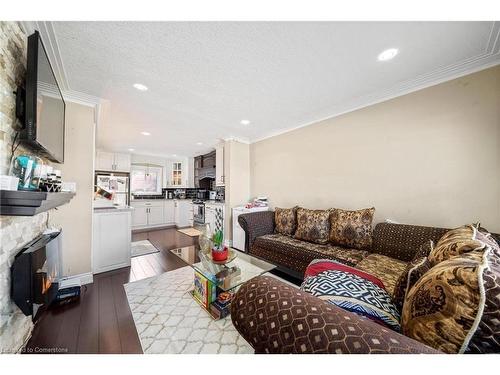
(488,58)
(49,38)
(237,139)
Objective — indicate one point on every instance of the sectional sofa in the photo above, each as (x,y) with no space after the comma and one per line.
(278,318)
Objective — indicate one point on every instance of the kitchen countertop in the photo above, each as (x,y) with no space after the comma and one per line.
(214,203)
(101,210)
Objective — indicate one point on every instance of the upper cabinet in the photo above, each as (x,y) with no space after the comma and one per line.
(219,165)
(112,162)
(177,174)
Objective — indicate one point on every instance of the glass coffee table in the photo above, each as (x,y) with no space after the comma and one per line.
(220,281)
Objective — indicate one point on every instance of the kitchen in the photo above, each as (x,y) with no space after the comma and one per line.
(139,193)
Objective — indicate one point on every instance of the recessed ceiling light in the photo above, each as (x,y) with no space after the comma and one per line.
(145,133)
(140,87)
(245,122)
(388,54)
(174,155)
(199,143)
(131,149)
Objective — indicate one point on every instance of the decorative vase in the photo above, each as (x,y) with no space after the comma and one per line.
(220,256)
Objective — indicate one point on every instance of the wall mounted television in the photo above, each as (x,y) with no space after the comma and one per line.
(40,105)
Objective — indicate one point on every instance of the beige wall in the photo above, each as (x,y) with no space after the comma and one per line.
(237,177)
(429,157)
(75,218)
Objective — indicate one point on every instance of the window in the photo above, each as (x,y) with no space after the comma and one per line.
(145,180)
(177,174)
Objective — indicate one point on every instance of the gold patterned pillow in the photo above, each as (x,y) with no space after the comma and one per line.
(313,225)
(352,228)
(286,220)
(455,242)
(454,306)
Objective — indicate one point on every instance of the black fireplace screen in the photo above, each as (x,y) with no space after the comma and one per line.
(35,273)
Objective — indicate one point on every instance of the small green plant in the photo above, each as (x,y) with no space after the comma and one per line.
(218,240)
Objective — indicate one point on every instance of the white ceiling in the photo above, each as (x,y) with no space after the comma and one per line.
(205,77)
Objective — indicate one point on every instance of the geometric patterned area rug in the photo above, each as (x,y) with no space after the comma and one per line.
(168,320)
(142,248)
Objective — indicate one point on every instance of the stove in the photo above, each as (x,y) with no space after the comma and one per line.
(198,211)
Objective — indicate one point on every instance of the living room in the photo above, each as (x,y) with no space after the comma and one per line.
(326,186)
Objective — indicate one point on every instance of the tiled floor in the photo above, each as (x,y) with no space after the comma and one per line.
(101,322)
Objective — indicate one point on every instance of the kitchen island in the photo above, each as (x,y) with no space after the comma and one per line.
(112,233)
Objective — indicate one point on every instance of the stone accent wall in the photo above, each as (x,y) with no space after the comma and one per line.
(15,328)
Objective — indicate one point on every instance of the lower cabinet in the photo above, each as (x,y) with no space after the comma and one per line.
(111,242)
(183,213)
(158,213)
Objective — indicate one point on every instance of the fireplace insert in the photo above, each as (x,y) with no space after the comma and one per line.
(35,273)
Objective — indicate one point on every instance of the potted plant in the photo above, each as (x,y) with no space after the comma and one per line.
(219,251)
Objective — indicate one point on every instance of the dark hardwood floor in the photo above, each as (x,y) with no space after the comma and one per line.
(101,322)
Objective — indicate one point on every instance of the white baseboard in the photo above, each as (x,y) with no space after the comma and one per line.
(83,278)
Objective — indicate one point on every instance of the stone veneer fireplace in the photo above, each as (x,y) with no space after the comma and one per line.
(15,327)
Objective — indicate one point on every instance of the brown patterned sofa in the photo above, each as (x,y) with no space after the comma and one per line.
(275,317)
(393,246)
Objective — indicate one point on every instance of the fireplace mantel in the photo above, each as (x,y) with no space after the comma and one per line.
(30,203)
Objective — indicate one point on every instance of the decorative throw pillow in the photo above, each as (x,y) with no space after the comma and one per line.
(455,242)
(424,250)
(352,290)
(313,225)
(453,307)
(414,271)
(352,228)
(286,220)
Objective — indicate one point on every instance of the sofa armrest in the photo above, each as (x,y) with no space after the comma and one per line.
(256,224)
(277,318)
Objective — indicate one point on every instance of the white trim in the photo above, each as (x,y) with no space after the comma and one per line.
(81,98)
(83,278)
(482,300)
(237,139)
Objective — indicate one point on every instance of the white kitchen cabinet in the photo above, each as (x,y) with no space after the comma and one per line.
(156,214)
(112,239)
(177,174)
(148,213)
(139,216)
(169,212)
(183,213)
(122,163)
(104,161)
(112,162)
(219,165)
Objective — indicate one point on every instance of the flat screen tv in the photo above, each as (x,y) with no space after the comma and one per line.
(44,105)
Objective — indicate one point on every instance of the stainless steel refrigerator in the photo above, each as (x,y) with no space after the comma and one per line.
(117,184)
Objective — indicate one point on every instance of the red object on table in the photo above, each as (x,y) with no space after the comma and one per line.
(220,256)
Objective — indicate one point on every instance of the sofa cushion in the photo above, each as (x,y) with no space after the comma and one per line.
(454,307)
(313,225)
(286,220)
(351,289)
(386,269)
(455,242)
(402,241)
(413,272)
(351,228)
(305,252)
